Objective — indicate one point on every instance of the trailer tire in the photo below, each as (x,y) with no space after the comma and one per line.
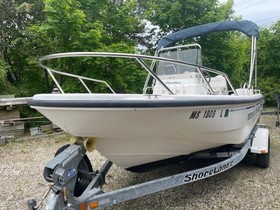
(263,159)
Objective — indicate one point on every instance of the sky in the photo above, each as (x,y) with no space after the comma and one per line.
(262,12)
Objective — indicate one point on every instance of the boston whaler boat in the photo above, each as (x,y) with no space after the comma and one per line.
(188,111)
(185,107)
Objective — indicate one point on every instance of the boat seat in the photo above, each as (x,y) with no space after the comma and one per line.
(219,85)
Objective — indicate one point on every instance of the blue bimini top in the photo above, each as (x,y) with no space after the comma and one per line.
(247,27)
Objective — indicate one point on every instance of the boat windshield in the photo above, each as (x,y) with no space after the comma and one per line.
(189,53)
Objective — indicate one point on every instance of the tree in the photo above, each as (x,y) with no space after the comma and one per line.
(66,27)
(33,28)
(15,17)
(269,46)
(268,63)
(70,26)
(175,15)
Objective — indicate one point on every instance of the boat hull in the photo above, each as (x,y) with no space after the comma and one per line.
(131,135)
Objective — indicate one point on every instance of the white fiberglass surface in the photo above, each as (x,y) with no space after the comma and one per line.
(148,135)
(71,96)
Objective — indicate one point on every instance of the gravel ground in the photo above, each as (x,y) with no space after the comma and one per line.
(243,187)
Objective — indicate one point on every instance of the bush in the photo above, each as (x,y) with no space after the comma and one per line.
(269,86)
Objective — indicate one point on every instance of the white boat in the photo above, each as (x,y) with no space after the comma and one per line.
(189,108)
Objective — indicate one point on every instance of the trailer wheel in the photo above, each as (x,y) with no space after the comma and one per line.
(263,159)
(84,167)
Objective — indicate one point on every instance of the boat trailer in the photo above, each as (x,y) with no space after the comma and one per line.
(76,187)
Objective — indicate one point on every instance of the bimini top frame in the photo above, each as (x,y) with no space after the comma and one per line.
(245,26)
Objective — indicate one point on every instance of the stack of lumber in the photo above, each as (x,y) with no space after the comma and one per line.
(9,113)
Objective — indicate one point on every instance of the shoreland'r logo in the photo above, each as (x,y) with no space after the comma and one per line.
(210,172)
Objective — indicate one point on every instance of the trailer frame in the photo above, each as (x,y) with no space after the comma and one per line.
(62,171)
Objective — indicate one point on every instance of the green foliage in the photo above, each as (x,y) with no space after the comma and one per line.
(127,75)
(3,74)
(123,75)
(66,27)
(72,25)
(269,47)
(230,53)
(3,70)
(268,62)
(33,28)
(269,87)
(15,45)
(177,14)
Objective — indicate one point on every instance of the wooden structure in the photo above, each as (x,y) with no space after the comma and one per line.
(9,115)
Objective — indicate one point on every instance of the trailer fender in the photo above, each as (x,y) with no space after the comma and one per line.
(260,143)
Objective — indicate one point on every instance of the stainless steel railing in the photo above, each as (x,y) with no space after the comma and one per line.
(139,58)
